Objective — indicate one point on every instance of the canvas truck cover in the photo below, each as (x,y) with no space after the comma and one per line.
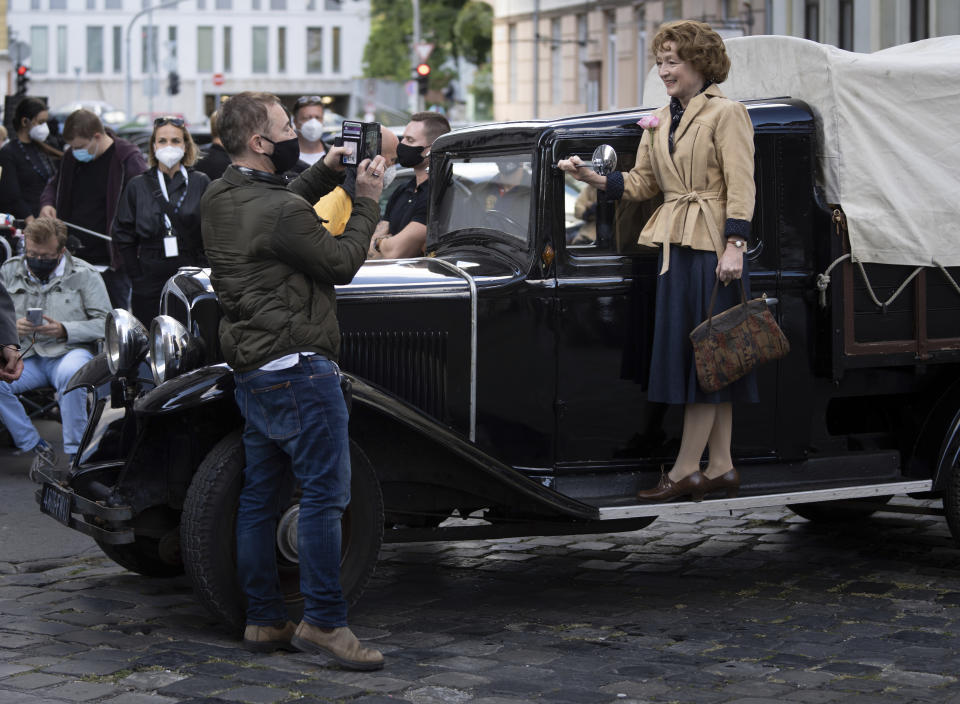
(888,135)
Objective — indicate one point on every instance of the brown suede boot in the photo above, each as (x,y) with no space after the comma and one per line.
(339,644)
(265,639)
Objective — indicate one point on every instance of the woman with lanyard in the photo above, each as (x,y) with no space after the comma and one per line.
(27,162)
(157,228)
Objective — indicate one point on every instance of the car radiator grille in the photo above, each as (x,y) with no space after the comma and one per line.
(410,364)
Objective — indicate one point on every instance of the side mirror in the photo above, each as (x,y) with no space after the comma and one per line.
(604,159)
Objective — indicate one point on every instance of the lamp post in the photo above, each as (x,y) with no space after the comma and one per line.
(128,98)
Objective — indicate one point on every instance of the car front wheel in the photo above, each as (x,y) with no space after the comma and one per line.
(207,533)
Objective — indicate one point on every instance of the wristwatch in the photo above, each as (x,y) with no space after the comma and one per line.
(739,244)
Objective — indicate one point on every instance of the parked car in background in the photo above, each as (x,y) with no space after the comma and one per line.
(110,115)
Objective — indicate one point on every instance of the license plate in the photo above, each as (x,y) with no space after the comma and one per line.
(55,502)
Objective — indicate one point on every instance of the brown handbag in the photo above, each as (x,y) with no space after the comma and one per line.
(729,345)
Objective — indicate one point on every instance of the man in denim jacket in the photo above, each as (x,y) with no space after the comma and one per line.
(74,305)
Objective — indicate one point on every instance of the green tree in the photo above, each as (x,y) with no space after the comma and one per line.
(387,53)
(474,32)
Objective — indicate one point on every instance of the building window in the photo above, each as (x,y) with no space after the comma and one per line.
(314,49)
(281,49)
(512,46)
(335,50)
(919,20)
(731,9)
(39,50)
(259,49)
(148,54)
(94,49)
(556,60)
(113,4)
(581,58)
(811,20)
(58,4)
(224,4)
(641,60)
(91,4)
(671,10)
(278,4)
(611,18)
(205,49)
(254,4)
(117,49)
(845,35)
(62,49)
(332,5)
(201,4)
(228,49)
(311,5)
(34,4)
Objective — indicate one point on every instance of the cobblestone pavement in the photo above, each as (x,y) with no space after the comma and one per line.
(750,608)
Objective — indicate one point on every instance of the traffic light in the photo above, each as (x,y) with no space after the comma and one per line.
(23,79)
(173,83)
(423,78)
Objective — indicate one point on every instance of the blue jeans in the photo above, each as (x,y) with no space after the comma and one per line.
(37,373)
(295,418)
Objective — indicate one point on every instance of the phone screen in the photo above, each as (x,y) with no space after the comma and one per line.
(352,134)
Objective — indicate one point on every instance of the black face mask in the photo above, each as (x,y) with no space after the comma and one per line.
(409,156)
(42,267)
(285,155)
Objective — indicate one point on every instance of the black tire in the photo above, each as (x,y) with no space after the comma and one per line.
(143,557)
(951,501)
(208,524)
(839,511)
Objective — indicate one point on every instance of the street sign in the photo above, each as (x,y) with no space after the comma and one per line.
(19,52)
(423,49)
(218,79)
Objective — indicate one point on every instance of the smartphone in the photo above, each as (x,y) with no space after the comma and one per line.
(35,316)
(362,140)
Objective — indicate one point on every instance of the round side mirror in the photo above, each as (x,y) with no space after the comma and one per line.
(604,159)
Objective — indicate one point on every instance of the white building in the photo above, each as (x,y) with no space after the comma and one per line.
(110,50)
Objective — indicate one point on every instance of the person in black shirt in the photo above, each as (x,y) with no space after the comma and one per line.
(403,231)
(86,192)
(27,161)
(214,159)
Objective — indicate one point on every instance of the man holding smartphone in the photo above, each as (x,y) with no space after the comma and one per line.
(61,304)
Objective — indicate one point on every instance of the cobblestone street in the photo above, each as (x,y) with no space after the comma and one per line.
(751,608)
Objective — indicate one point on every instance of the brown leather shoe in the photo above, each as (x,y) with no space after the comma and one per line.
(729,482)
(266,639)
(339,644)
(667,489)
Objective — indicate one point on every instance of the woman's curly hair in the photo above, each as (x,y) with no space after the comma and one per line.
(697,44)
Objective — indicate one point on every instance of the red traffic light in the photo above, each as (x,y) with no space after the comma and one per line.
(22,70)
(423,70)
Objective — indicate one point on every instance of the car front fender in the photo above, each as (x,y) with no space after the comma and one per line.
(191,390)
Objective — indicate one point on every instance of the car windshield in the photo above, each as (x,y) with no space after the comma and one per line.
(488,193)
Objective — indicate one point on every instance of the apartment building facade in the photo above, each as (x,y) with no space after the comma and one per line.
(95,49)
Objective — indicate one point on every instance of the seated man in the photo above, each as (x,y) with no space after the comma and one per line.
(403,230)
(73,304)
(507,196)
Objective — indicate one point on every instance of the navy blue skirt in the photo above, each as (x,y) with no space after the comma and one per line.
(683,299)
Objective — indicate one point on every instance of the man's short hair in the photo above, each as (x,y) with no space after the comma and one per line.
(242,116)
(307,100)
(81,123)
(434,124)
(214,128)
(42,230)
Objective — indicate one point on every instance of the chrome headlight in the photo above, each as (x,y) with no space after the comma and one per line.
(126,341)
(173,350)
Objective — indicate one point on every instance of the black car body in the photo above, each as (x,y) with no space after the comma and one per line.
(498,385)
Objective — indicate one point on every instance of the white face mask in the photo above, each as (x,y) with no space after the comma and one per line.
(169,156)
(389,174)
(312,129)
(39,133)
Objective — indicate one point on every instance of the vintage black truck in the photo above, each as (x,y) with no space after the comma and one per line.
(497,385)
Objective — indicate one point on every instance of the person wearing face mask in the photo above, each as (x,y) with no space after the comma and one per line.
(86,192)
(157,228)
(74,305)
(307,119)
(27,162)
(274,268)
(336,207)
(403,230)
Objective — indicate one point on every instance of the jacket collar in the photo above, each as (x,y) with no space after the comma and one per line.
(25,279)
(696,104)
(243,176)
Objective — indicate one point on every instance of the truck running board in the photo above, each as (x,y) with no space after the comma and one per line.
(664,510)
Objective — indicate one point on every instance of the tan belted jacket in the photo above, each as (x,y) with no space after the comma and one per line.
(707,179)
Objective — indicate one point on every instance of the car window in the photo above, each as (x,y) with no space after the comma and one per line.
(489,192)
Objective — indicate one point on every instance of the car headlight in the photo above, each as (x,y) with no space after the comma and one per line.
(173,350)
(126,341)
